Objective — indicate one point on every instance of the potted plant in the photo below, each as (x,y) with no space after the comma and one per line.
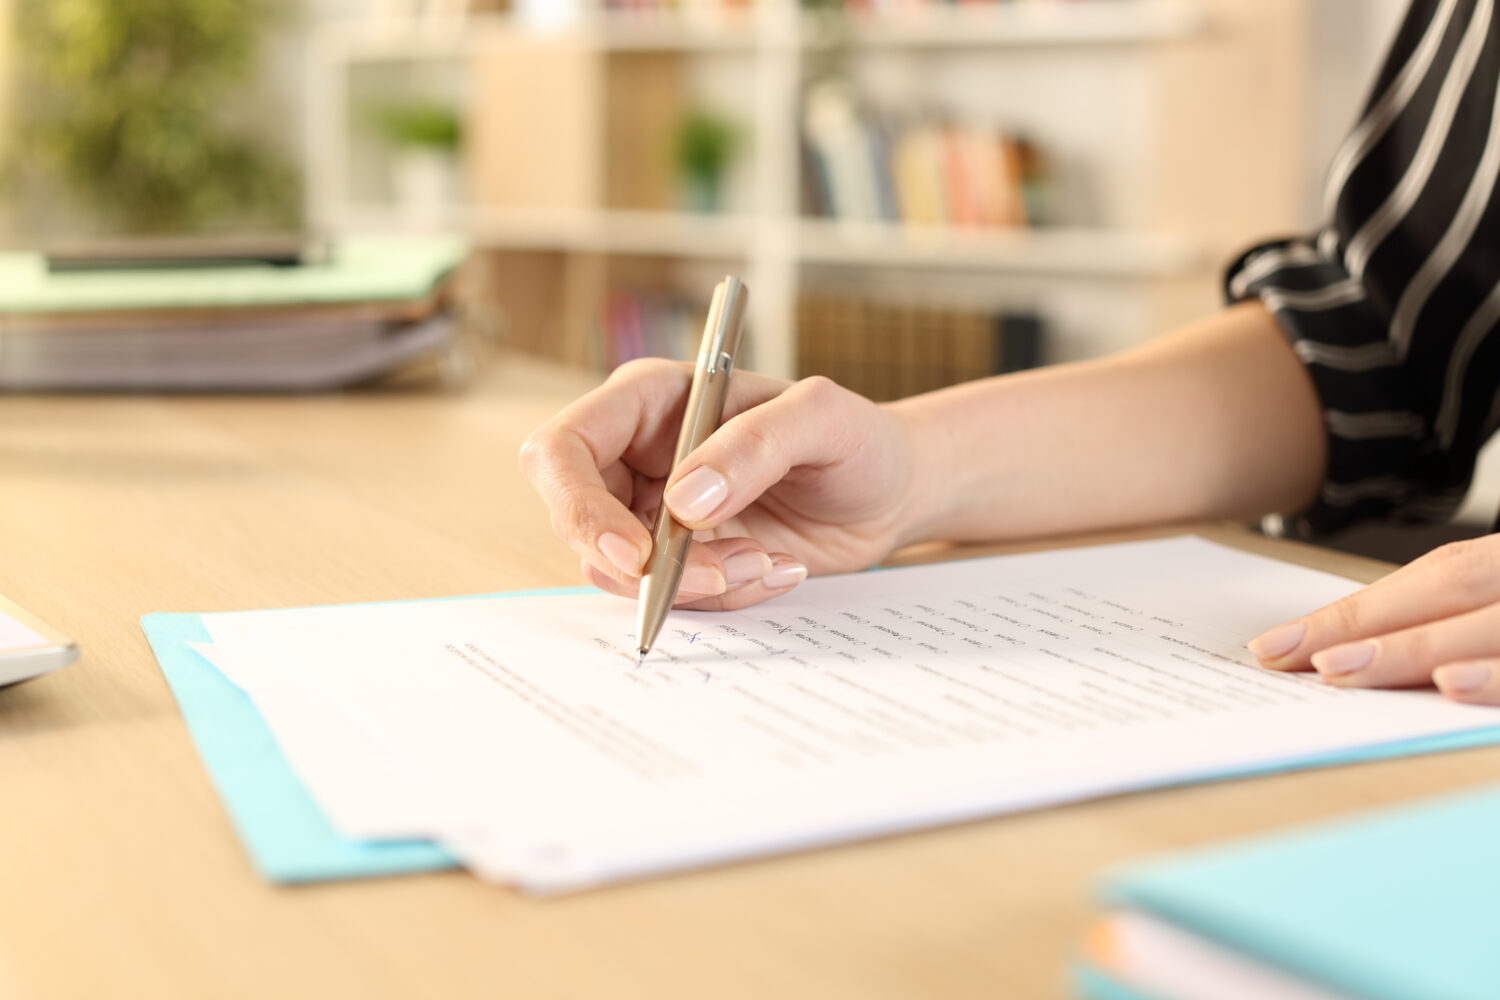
(705,143)
(425,137)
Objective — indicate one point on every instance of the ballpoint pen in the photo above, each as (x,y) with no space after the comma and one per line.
(705,408)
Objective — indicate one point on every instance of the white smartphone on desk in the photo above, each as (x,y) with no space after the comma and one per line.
(29,646)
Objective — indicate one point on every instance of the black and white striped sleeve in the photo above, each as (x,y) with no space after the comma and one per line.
(1392,305)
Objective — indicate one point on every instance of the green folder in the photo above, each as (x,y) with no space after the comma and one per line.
(1397,905)
(358,270)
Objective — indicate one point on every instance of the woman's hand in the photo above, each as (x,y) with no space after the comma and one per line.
(1436,620)
(801,477)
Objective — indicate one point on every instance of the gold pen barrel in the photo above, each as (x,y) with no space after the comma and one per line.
(700,418)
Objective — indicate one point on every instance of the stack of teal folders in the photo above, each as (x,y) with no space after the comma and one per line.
(371,307)
(1401,905)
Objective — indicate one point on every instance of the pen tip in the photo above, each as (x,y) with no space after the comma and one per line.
(641,657)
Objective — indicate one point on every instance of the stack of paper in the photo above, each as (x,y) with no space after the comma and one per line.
(519,733)
(374,305)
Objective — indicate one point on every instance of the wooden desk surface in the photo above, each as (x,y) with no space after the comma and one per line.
(120,877)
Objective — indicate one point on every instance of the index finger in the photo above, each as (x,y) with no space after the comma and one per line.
(628,419)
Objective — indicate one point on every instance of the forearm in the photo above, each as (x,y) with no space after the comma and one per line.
(1218,419)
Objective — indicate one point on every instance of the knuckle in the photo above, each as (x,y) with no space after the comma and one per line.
(572,515)
(562,524)
(844,411)
(1413,646)
(754,443)
(1346,617)
(533,453)
(642,369)
(1468,565)
(820,389)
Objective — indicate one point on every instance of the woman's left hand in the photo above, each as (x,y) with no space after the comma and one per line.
(1434,621)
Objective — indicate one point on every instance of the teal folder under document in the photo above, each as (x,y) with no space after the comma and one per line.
(282,829)
(278,823)
(1397,905)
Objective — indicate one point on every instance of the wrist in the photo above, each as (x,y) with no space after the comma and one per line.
(935,485)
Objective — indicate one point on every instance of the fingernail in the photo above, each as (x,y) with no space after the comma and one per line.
(784,573)
(1462,678)
(1278,642)
(1344,659)
(702,580)
(697,494)
(621,554)
(742,567)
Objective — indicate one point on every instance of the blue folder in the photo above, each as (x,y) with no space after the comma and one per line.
(1395,905)
(289,840)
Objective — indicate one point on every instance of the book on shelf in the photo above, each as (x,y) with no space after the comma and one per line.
(642,324)
(925,172)
(882,350)
(888,350)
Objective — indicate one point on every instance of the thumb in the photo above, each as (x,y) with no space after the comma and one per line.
(814,422)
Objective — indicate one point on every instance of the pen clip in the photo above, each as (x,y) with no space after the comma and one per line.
(721,334)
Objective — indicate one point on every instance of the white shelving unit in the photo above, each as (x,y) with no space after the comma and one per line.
(1077,22)
(769,240)
(991,24)
(1051,251)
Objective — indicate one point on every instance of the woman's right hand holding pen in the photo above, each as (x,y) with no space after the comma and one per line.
(801,476)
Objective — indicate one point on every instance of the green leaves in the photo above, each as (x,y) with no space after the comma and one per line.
(704,143)
(129,106)
(422,124)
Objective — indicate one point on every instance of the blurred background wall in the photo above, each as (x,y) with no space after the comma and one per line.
(917,192)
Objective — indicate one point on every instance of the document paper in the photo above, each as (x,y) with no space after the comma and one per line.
(521,734)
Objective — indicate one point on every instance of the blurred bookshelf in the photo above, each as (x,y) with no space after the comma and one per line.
(891,349)
(566,188)
(1054,251)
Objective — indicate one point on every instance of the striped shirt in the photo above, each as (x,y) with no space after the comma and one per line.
(1393,305)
